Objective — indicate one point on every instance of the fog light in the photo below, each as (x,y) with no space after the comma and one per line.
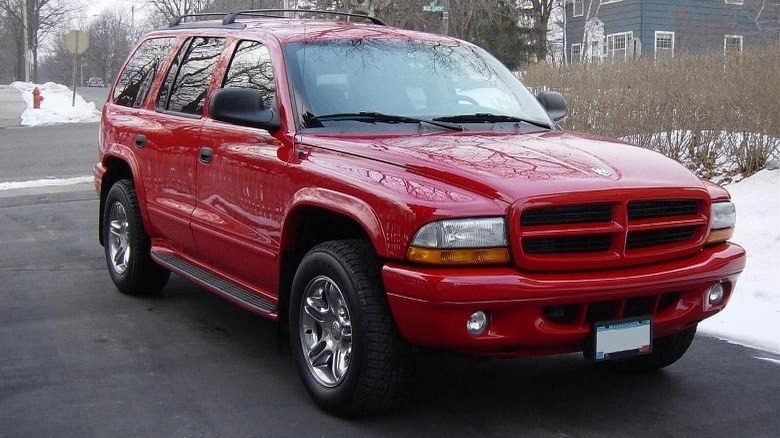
(715,295)
(477,323)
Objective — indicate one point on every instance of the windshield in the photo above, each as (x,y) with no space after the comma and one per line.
(417,79)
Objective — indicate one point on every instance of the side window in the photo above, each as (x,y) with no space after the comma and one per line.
(137,77)
(251,68)
(165,89)
(188,79)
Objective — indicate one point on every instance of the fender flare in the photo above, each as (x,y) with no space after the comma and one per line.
(120,152)
(346,205)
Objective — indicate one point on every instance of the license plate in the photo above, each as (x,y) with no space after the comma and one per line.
(623,338)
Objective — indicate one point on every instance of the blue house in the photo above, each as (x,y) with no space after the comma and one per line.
(619,30)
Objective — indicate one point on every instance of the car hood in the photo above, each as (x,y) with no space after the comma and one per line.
(515,166)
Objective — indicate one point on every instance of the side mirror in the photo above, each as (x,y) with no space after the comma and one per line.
(554,103)
(243,106)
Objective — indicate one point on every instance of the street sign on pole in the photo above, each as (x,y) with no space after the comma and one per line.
(77,42)
(442,9)
(434,6)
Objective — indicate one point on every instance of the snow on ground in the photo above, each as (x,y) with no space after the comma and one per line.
(47,182)
(752,317)
(56,106)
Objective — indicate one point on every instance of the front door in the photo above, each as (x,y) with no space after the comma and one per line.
(241,182)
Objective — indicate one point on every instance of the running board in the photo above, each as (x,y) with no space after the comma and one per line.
(219,285)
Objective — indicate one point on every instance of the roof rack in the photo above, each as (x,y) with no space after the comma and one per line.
(177,20)
(230,18)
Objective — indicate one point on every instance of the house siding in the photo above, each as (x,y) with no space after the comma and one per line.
(698,25)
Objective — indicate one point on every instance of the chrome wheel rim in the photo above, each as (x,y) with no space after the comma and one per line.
(325,331)
(118,239)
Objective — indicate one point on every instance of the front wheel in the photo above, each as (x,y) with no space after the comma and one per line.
(343,337)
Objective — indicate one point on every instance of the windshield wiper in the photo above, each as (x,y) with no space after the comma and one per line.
(381,117)
(489,118)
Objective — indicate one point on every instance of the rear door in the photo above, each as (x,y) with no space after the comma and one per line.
(171,139)
(242,188)
(127,112)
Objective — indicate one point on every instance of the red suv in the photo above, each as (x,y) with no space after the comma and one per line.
(374,189)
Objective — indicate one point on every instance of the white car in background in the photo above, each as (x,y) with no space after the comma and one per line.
(95,82)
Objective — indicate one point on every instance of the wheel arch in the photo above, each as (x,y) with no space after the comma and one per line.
(316,216)
(117,168)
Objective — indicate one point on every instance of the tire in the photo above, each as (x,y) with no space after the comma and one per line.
(350,358)
(666,351)
(127,245)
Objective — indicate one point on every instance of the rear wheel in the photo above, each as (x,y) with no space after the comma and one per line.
(666,351)
(127,245)
(343,337)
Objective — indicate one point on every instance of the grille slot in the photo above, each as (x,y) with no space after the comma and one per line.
(643,239)
(567,214)
(598,311)
(567,244)
(654,209)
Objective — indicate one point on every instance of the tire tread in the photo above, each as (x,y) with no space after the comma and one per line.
(144,275)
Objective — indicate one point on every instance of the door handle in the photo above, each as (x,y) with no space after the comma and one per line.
(140,141)
(206,155)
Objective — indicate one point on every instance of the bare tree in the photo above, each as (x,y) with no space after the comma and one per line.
(538,13)
(7,49)
(590,32)
(109,36)
(766,15)
(165,10)
(43,17)
(556,34)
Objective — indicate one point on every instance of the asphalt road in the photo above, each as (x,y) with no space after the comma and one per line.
(78,359)
(47,151)
(94,94)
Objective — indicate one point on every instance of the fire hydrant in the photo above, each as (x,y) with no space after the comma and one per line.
(37,98)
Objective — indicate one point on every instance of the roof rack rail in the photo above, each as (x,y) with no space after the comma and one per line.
(177,20)
(231,17)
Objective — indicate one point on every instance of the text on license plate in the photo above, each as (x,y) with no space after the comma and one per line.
(623,338)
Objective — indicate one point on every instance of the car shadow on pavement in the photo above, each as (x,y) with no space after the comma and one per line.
(456,395)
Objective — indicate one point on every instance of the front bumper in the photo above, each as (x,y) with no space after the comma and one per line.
(431,305)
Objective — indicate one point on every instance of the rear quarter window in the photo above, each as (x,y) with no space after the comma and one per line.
(139,73)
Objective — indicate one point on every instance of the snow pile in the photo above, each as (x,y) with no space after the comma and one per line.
(56,106)
(752,317)
(716,152)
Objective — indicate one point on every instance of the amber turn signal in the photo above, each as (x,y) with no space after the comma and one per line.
(478,256)
(722,235)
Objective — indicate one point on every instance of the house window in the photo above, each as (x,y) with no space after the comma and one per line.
(735,2)
(664,44)
(576,52)
(618,46)
(732,44)
(579,8)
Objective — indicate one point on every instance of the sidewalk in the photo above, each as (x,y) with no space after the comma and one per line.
(11,107)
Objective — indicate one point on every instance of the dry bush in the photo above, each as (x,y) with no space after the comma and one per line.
(702,109)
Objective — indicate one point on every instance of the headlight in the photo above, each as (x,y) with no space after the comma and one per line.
(723,219)
(461,241)
(724,215)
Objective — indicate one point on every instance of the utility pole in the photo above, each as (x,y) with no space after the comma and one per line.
(25,42)
(445,17)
